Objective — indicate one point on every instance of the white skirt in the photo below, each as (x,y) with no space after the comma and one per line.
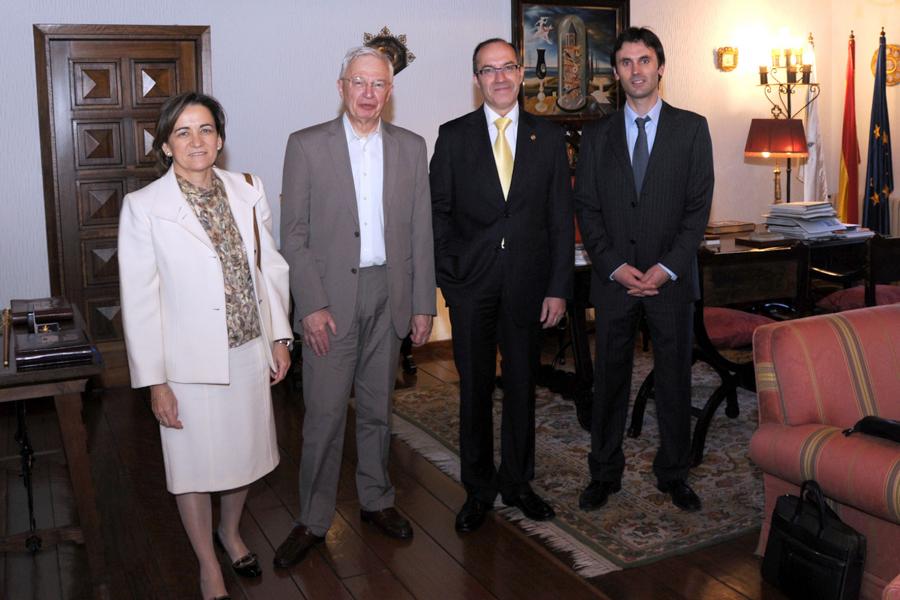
(228,439)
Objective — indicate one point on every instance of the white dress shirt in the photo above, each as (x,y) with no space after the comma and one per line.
(511,129)
(367,163)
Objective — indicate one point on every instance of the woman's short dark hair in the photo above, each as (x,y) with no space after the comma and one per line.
(172,109)
(642,35)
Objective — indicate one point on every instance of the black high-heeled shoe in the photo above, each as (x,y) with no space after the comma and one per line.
(246,566)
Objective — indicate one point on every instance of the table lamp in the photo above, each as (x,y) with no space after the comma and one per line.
(777,138)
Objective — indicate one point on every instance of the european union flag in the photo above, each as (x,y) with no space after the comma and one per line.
(879,172)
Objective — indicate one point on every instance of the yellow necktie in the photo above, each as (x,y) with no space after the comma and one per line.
(503,155)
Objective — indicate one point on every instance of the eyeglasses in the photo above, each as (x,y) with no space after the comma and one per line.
(359,83)
(507,69)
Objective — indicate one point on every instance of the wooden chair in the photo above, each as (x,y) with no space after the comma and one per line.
(737,288)
(884,267)
(878,267)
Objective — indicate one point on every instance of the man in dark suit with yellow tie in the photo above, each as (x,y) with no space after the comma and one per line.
(504,234)
(643,194)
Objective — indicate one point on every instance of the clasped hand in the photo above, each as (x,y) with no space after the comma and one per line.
(640,284)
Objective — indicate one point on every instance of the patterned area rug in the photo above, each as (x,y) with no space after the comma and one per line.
(639,524)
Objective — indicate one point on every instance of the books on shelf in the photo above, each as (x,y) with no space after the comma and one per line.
(720,227)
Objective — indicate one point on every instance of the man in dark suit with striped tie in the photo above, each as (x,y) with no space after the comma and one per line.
(643,194)
(504,235)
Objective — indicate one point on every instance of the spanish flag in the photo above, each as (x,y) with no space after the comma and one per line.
(847,202)
(880,171)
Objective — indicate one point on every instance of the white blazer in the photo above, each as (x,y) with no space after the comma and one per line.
(173,291)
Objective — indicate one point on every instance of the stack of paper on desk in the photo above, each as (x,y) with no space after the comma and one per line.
(804,220)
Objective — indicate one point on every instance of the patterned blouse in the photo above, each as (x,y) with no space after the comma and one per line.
(212,209)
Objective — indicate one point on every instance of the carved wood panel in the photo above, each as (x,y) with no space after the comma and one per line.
(99,202)
(95,84)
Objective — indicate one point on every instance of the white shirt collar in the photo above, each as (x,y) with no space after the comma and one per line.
(512,115)
(353,136)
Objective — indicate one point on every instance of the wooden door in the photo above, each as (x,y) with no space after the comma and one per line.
(100,88)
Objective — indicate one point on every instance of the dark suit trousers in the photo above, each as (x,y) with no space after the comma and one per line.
(671,333)
(481,321)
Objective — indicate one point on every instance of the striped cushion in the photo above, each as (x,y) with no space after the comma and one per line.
(859,470)
(830,369)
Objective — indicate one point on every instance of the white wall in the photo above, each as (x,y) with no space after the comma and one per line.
(275,63)
(728,99)
(692,29)
(274,67)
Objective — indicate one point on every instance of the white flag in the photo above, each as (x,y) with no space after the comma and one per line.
(812,174)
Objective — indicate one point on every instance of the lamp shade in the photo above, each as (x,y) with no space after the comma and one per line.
(776,138)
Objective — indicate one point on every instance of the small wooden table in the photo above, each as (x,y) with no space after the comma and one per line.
(65,385)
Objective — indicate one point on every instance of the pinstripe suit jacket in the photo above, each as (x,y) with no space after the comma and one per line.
(665,224)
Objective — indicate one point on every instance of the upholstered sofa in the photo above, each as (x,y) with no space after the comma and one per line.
(815,377)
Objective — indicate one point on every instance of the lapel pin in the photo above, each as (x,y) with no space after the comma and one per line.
(533,137)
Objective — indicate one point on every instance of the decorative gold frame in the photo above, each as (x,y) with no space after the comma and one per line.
(393,45)
(726,58)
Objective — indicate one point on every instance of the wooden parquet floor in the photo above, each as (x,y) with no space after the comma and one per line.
(150,557)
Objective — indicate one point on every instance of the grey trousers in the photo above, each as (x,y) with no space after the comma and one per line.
(366,357)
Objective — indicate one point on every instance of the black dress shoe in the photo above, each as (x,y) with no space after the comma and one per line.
(531,505)
(472,514)
(682,495)
(246,566)
(597,493)
(294,548)
(389,521)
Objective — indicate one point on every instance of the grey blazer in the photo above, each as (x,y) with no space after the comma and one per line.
(320,225)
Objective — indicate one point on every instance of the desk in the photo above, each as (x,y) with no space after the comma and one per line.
(66,386)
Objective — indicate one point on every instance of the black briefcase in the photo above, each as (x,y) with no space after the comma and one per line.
(811,553)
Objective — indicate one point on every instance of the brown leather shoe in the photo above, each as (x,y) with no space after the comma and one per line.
(294,548)
(389,521)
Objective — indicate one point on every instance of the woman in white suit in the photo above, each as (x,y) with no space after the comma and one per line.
(204,306)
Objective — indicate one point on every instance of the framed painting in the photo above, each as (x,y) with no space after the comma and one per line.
(564,48)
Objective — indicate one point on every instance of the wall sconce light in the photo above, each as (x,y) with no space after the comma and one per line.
(726,58)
